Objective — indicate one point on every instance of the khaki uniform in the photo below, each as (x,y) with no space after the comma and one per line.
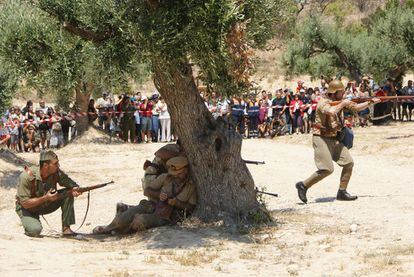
(327,148)
(25,191)
(144,214)
(167,184)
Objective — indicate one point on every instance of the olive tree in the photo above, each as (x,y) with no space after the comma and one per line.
(214,38)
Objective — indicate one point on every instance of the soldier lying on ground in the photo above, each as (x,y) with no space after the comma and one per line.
(171,196)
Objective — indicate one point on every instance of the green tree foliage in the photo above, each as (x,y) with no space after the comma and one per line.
(37,47)
(384,48)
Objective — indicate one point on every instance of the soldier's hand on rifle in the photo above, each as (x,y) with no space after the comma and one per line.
(76,192)
(375,100)
(163,196)
(172,201)
(52,195)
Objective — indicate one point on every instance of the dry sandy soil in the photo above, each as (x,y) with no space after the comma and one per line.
(307,240)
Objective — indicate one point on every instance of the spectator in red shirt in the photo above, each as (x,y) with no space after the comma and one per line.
(296,112)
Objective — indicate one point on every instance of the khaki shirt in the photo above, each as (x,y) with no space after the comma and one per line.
(165,183)
(25,183)
(327,125)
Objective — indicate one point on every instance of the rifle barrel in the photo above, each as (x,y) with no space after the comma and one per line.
(369,99)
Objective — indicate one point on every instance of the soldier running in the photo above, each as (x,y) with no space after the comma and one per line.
(329,121)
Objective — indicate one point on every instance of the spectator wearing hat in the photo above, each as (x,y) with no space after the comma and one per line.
(36,195)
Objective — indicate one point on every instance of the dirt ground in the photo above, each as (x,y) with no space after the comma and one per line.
(307,240)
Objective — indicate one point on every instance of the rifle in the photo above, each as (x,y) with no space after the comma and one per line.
(254,162)
(268,193)
(369,99)
(66,191)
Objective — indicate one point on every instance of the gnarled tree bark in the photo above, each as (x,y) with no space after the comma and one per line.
(224,183)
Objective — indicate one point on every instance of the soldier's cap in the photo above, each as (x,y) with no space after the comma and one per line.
(335,85)
(47,155)
(176,165)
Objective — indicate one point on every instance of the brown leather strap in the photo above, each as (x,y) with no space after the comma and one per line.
(33,182)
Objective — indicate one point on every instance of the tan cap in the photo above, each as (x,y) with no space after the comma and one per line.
(335,85)
(176,165)
(47,155)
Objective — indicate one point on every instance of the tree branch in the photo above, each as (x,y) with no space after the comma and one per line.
(86,34)
(74,28)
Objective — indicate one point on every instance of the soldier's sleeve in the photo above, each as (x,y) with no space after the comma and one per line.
(188,194)
(158,182)
(65,181)
(323,106)
(23,187)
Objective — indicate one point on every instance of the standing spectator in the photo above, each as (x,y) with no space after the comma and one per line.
(155,118)
(253,114)
(29,103)
(102,106)
(165,120)
(408,91)
(146,123)
(92,113)
(288,99)
(14,125)
(305,97)
(44,132)
(237,112)
(137,118)
(128,120)
(42,106)
(56,137)
(263,118)
(296,112)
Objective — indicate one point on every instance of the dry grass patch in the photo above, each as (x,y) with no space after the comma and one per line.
(388,257)
(153,260)
(195,258)
(247,255)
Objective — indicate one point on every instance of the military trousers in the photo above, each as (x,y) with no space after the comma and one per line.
(31,222)
(328,150)
(122,221)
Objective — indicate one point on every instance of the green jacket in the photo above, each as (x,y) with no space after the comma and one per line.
(24,188)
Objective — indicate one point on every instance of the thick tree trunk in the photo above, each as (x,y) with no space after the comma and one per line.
(82,101)
(224,184)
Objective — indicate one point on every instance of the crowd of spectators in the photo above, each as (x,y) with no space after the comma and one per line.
(142,119)
(31,129)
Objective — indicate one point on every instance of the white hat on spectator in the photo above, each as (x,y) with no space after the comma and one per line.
(144,97)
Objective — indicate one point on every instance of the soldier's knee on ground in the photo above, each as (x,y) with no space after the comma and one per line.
(33,230)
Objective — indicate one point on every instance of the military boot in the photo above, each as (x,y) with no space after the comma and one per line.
(343,195)
(302,191)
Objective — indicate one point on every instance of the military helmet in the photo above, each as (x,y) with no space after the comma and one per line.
(335,85)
